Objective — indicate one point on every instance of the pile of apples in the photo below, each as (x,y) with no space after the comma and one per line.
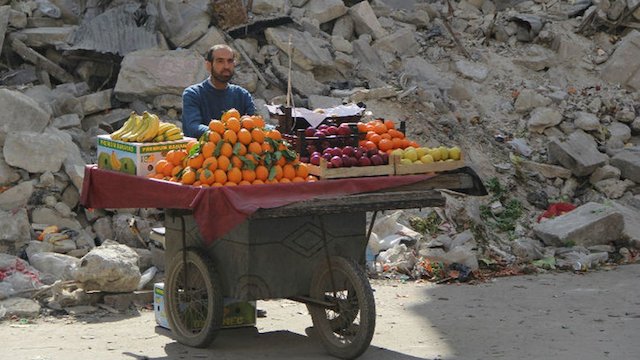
(349,156)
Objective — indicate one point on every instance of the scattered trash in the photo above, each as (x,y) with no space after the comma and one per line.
(556,209)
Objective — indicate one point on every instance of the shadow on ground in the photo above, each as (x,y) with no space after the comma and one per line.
(248,343)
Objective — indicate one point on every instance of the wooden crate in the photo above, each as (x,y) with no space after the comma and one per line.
(323,172)
(437,166)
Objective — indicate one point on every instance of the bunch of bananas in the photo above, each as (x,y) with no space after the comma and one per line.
(168,132)
(146,128)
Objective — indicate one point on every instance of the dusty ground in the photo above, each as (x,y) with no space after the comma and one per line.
(547,316)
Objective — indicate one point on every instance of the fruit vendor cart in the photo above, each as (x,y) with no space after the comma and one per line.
(301,241)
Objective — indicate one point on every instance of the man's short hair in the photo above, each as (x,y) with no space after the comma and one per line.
(217,47)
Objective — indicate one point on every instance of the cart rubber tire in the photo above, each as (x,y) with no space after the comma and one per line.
(335,328)
(205,300)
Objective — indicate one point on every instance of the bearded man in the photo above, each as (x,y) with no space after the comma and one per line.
(209,99)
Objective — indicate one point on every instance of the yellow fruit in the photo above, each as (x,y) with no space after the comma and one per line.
(455,153)
(410,154)
(406,161)
(444,153)
(422,151)
(427,159)
(398,152)
(435,154)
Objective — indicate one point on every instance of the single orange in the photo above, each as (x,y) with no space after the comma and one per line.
(254,147)
(210,163)
(257,135)
(195,161)
(302,170)
(274,134)
(214,137)
(385,144)
(220,176)
(230,136)
(226,149)
(244,136)
(217,126)
(233,124)
(389,124)
(188,177)
(262,173)
(223,162)
(298,179)
(206,177)
(288,171)
(234,175)
(248,175)
(207,149)
(247,123)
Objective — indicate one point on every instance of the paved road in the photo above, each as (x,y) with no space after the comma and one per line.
(547,316)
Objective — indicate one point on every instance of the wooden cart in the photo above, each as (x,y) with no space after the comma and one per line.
(310,251)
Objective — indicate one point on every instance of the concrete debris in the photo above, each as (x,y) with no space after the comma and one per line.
(541,96)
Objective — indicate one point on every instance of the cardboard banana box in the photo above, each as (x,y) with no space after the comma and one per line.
(133,157)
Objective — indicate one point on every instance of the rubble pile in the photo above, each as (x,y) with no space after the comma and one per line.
(541,95)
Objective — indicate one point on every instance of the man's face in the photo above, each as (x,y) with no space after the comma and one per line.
(222,66)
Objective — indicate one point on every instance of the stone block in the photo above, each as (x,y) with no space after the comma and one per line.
(588,225)
(124,301)
(578,153)
(365,20)
(622,66)
(628,161)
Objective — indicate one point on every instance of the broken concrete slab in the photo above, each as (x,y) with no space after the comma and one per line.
(325,11)
(628,161)
(116,31)
(303,83)
(579,153)
(45,36)
(542,118)
(323,102)
(21,308)
(400,43)
(146,74)
(622,67)
(40,61)
(631,231)
(47,156)
(365,20)
(587,225)
(20,112)
(547,170)
(366,54)
(96,102)
(308,52)
(181,25)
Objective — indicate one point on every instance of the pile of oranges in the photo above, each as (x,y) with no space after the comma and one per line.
(383,135)
(236,150)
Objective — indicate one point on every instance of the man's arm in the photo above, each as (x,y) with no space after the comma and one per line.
(192,125)
(250,107)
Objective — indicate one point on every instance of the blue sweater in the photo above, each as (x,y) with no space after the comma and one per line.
(202,102)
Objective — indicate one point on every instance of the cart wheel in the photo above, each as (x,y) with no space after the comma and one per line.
(346,328)
(195,301)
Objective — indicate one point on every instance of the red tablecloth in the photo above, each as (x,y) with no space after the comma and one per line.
(218,209)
